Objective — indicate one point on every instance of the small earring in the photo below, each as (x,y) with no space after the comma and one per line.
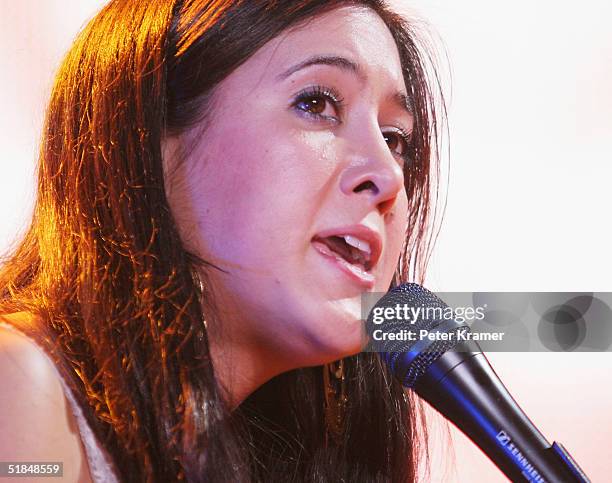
(334,383)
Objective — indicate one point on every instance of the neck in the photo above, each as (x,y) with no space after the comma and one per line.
(241,364)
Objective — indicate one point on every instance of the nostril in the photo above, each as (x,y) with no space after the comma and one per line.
(385,206)
(366,185)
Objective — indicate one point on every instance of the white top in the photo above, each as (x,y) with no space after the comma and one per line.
(100,467)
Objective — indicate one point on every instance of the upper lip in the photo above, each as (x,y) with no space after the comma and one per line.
(363,233)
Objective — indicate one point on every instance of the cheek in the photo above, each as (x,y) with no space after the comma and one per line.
(259,195)
(397,233)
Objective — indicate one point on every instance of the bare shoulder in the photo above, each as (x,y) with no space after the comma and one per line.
(35,417)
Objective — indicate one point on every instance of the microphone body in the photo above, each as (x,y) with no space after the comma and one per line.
(455,377)
(464,388)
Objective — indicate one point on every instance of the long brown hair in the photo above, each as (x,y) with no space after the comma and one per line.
(118,297)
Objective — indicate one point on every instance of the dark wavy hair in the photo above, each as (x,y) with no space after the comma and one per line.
(117,297)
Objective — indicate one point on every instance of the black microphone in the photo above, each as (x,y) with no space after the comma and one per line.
(450,372)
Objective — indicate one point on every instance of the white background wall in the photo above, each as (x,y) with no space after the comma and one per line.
(528,202)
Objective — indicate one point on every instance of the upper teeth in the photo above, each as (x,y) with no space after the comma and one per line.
(357,243)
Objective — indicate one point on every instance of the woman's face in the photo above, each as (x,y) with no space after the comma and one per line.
(300,157)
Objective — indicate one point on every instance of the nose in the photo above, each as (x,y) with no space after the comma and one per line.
(372,171)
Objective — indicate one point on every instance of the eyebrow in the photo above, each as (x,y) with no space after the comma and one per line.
(333,60)
(400,99)
(404,102)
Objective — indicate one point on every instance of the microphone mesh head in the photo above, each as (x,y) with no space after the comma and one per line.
(410,357)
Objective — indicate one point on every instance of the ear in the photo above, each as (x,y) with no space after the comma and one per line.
(171,155)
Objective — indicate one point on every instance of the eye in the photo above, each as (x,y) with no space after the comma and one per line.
(399,141)
(319,102)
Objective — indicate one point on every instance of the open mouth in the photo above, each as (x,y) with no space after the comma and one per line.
(351,249)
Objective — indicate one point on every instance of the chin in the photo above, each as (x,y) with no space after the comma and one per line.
(346,337)
(331,349)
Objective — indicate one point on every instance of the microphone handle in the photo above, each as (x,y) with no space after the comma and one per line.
(463,387)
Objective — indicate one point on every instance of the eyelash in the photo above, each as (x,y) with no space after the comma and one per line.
(331,95)
(328,93)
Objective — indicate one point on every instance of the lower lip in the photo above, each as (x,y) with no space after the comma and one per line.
(364,279)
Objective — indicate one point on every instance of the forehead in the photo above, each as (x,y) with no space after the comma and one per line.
(356,33)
